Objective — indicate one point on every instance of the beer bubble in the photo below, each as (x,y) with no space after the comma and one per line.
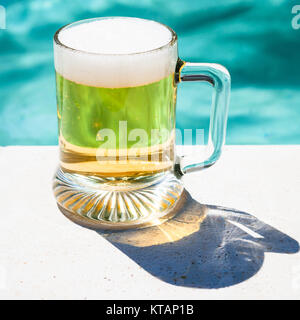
(115,52)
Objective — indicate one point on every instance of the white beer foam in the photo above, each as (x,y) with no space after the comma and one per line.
(115,52)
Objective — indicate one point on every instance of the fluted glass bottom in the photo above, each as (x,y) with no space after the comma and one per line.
(111,203)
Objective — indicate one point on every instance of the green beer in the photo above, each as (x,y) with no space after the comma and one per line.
(116,97)
(84,111)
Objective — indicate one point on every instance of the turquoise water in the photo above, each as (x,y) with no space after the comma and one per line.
(253,39)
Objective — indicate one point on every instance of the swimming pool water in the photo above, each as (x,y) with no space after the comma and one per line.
(253,39)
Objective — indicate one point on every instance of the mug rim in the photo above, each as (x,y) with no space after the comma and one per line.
(69,25)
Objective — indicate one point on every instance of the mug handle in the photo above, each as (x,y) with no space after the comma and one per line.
(219,77)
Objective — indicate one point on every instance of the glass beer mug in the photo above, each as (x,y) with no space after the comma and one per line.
(116,81)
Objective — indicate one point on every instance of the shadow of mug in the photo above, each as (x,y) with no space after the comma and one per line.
(203,246)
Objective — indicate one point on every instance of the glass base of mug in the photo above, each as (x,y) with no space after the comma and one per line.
(116,204)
